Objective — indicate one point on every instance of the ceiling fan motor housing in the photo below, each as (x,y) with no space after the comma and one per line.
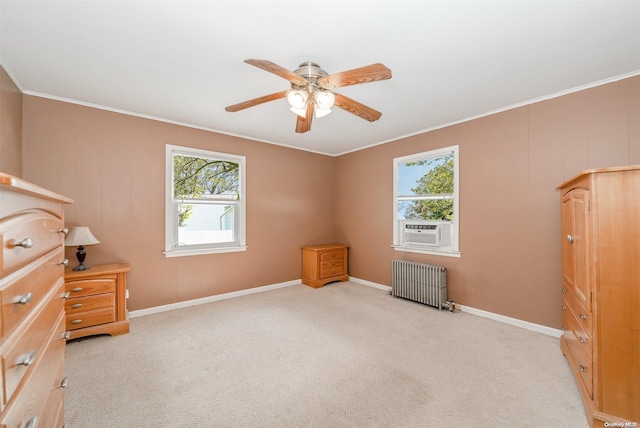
(311,72)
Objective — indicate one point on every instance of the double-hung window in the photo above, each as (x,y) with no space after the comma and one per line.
(205,202)
(426,201)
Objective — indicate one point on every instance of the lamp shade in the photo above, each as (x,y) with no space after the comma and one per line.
(80,236)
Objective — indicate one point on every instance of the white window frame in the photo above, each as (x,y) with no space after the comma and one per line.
(171,220)
(454,250)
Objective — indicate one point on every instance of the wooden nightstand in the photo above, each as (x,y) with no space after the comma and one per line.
(97,300)
(322,264)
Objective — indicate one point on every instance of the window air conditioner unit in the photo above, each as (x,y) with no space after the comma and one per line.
(426,232)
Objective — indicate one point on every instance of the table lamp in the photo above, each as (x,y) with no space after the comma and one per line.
(80,236)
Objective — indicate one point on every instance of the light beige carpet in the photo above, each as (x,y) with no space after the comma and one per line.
(345,355)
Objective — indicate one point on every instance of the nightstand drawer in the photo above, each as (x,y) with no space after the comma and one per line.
(328,269)
(90,303)
(89,287)
(90,318)
(332,255)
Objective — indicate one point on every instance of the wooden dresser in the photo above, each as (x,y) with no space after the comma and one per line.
(32,296)
(97,300)
(601,291)
(322,264)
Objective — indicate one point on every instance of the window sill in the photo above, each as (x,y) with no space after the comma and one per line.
(444,253)
(200,252)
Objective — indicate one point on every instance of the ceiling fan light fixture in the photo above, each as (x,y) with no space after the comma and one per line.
(324,100)
(302,112)
(297,99)
(322,112)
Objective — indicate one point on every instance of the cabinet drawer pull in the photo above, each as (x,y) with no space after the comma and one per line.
(583,317)
(64,262)
(582,368)
(31,423)
(26,359)
(25,243)
(64,230)
(581,339)
(76,305)
(66,335)
(564,290)
(76,321)
(564,308)
(66,295)
(76,289)
(570,239)
(63,383)
(24,299)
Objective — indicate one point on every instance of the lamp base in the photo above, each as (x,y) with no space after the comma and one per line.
(81,267)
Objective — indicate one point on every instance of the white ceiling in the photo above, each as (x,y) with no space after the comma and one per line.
(182,61)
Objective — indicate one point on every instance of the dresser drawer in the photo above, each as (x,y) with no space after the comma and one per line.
(89,287)
(27,350)
(90,318)
(47,377)
(39,232)
(53,413)
(78,305)
(332,255)
(23,294)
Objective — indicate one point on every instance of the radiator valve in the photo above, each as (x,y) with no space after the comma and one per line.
(450,305)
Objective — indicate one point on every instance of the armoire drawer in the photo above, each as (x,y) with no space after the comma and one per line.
(583,362)
(24,293)
(27,236)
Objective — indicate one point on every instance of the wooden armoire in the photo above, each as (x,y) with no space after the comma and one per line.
(601,291)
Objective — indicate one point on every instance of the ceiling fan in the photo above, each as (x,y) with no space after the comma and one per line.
(311,90)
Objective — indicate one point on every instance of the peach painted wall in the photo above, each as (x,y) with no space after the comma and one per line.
(113,167)
(510,165)
(10,126)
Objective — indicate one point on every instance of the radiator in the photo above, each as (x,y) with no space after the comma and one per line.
(421,283)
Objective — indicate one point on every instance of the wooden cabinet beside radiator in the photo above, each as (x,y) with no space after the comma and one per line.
(601,291)
(322,264)
(32,333)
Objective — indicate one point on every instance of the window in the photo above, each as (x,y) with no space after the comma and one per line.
(205,202)
(425,200)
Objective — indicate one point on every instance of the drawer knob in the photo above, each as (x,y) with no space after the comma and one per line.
(76,305)
(66,295)
(24,299)
(64,230)
(76,321)
(66,335)
(26,359)
(582,368)
(564,308)
(581,339)
(63,383)
(76,289)
(583,317)
(31,423)
(564,290)
(570,239)
(25,243)
(64,262)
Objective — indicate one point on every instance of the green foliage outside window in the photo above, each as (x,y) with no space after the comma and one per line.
(438,181)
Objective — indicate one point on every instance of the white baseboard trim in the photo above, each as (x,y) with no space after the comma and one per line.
(512,321)
(479,312)
(369,283)
(209,299)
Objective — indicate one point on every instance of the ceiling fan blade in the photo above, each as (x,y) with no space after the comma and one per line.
(256,101)
(303,124)
(277,70)
(368,73)
(359,109)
